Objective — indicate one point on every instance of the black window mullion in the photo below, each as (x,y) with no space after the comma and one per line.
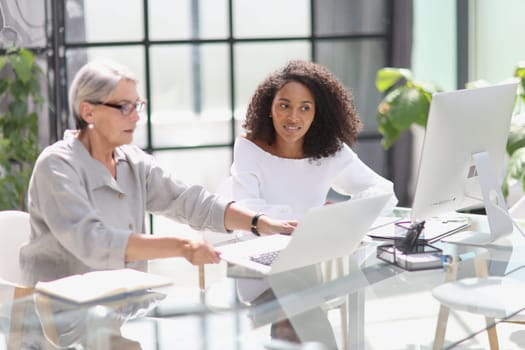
(57,73)
(231,43)
(147,88)
(462,45)
(147,72)
(313,38)
(313,51)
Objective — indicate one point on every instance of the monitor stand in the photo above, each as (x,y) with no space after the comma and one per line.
(499,219)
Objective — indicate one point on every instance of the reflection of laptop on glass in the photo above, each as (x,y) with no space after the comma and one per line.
(324,233)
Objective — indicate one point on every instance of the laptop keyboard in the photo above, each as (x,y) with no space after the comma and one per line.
(265,258)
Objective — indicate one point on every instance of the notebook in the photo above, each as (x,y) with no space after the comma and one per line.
(101,285)
(324,233)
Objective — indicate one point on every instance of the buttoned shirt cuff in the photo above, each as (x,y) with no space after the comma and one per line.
(117,249)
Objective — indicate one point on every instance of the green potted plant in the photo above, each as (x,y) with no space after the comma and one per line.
(407,102)
(20,96)
(516,141)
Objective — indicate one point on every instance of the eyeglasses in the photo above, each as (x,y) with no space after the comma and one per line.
(126,108)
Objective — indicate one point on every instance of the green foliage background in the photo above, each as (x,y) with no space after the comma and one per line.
(20,96)
(407,102)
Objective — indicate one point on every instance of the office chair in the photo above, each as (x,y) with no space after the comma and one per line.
(15,231)
(494,297)
(14,227)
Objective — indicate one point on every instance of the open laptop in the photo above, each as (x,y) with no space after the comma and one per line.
(324,233)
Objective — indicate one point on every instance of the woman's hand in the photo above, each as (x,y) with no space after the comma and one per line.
(198,253)
(237,217)
(268,226)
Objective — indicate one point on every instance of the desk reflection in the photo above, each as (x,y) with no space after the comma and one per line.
(41,322)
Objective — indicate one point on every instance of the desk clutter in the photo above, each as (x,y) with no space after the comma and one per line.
(434,230)
(411,253)
(424,257)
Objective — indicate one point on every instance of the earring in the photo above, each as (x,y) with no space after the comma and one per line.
(90,126)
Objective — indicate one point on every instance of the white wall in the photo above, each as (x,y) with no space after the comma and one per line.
(434,42)
(497,38)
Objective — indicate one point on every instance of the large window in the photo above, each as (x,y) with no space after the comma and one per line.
(199,62)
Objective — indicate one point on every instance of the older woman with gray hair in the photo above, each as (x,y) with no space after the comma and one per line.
(89,192)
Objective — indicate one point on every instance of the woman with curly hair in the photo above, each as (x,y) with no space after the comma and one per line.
(299,126)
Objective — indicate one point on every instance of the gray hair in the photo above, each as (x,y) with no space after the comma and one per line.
(95,82)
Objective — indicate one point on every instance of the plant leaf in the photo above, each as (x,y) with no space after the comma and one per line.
(520,70)
(22,65)
(388,77)
(390,134)
(407,106)
(401,108)
(520,73)
(477,84)
(515,170)
(3,61)
(516,138)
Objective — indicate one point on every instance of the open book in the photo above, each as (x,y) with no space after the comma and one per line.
(99,285)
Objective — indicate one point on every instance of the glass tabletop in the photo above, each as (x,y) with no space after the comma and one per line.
(370,304)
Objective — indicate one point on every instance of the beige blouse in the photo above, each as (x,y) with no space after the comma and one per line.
(82,217)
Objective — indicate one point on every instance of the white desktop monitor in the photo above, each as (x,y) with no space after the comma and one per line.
(463,156)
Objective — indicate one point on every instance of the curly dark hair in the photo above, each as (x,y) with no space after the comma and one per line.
(335,120)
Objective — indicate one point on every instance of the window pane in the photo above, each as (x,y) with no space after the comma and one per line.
(271,18)
(251,69)
(356,63)
(190,95)
(130,56)
(435,48)
(333,17)
(214,20)
(185,19)
(102,20)
(208,167)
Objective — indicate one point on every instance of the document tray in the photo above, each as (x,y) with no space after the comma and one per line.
(423,257)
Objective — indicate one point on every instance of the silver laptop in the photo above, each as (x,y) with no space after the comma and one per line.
(324,233)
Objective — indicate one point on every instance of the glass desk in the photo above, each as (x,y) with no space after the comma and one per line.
(388,308)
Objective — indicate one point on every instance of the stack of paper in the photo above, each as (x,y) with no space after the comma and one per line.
(435,229)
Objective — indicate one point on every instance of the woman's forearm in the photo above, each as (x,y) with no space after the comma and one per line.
(146,247)
(239,218)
